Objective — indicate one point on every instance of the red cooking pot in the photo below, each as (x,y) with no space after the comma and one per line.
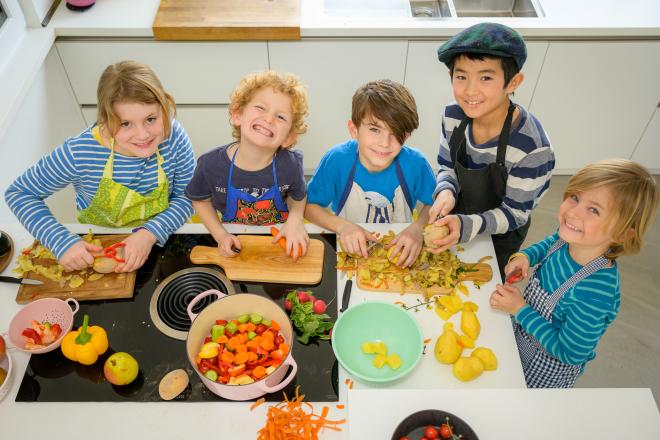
(229,307)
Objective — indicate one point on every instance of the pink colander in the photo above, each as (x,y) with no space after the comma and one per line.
(52,310)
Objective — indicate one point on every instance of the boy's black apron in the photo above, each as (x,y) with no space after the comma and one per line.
(483,189)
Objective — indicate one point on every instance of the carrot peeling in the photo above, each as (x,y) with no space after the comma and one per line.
(426,341)
(257,403)
(290,419)
(339,406)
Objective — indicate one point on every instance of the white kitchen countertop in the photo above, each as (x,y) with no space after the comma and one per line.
(542,414)
(497,400)
(563,18)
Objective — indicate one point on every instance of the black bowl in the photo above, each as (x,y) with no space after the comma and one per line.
(5,244)
(413,426)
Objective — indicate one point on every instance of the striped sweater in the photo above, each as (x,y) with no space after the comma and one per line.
(584,312)
(79,161)
(529,161)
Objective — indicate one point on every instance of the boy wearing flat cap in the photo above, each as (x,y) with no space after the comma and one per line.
(495,160)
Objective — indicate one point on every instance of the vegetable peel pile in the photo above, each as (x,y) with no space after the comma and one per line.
(441,272)
(290,420)
(39,259)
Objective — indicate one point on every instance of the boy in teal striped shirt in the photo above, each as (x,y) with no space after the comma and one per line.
(574,291)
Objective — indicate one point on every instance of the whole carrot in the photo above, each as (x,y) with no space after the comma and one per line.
(282,241)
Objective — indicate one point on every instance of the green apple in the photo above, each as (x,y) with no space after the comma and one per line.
(121,368)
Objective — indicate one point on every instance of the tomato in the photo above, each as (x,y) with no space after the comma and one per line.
(445,431)
(430,433)
(278,340)
(404,438)
(260,329)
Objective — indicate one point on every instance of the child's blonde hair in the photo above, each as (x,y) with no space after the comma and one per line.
(284,83)
(131,81)
(634,196)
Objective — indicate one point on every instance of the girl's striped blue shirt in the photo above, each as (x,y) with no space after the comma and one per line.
(79,161)
(584,312)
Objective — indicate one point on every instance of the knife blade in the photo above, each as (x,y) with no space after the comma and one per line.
(346,296)
(15,280)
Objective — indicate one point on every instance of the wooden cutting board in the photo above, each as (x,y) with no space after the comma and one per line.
(480,272)
(262,261)
(110,286)
(227,20)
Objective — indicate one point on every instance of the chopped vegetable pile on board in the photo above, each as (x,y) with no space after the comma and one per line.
(379,270)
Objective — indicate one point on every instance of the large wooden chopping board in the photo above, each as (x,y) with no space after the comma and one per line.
(111,286)
(227,20)
(262,261)
(480,272)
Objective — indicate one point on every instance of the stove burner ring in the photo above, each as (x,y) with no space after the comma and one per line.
(169,302)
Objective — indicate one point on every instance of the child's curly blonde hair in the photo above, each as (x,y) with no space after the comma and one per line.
(284,83)
(634,199)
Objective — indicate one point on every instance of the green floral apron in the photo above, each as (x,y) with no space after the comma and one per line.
(115,205)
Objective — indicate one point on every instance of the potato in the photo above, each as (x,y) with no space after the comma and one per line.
(173,384)
(433,233)
(104,265)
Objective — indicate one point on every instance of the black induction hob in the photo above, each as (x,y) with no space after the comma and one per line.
(50,377)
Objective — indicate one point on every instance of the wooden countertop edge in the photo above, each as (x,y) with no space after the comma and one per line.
(202,33)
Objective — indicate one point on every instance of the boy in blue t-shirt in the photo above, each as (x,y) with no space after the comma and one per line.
(374,178)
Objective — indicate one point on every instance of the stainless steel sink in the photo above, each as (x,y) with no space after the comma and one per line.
(431,8)
(474,8)
(495,8)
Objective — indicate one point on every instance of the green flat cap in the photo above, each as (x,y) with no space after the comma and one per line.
(488,39)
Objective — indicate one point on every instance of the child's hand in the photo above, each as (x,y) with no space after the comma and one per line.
(229,245)
(507,299)
(353,239)
(296,236)
(136,251)
(453,222)
(409,243)
(79,256)
(520,265)
(443,204)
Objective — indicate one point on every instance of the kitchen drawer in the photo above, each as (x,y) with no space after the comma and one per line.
(207,126)
(194,73)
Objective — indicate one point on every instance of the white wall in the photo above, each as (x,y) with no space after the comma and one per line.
(48,113)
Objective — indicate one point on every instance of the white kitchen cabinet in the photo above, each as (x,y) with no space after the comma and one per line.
(646,152)
(332,70)
(193,72)
(594,98)
(207,126)
(428,80)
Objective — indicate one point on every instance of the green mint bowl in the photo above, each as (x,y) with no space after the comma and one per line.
(373,321)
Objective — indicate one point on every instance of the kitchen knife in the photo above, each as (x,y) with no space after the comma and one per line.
(346,297)
(20,281)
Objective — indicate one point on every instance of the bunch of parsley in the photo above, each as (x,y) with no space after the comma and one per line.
(306,321)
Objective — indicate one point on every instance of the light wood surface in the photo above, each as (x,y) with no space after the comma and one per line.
(262,261)
(227,20)
(480,272)
(110,286)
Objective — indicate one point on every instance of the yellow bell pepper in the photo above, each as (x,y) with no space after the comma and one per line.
(86,344)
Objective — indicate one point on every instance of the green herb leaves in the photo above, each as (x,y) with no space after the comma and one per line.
(307,322)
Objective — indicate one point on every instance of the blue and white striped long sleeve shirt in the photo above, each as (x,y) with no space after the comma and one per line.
(584,312)
(529,161)
(79,161)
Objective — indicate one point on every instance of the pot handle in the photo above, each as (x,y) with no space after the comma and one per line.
(198,298)
(74,304)
(294,369)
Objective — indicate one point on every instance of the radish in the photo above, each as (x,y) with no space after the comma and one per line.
(311,298)
(287,305)
(319,306)
(303,296)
